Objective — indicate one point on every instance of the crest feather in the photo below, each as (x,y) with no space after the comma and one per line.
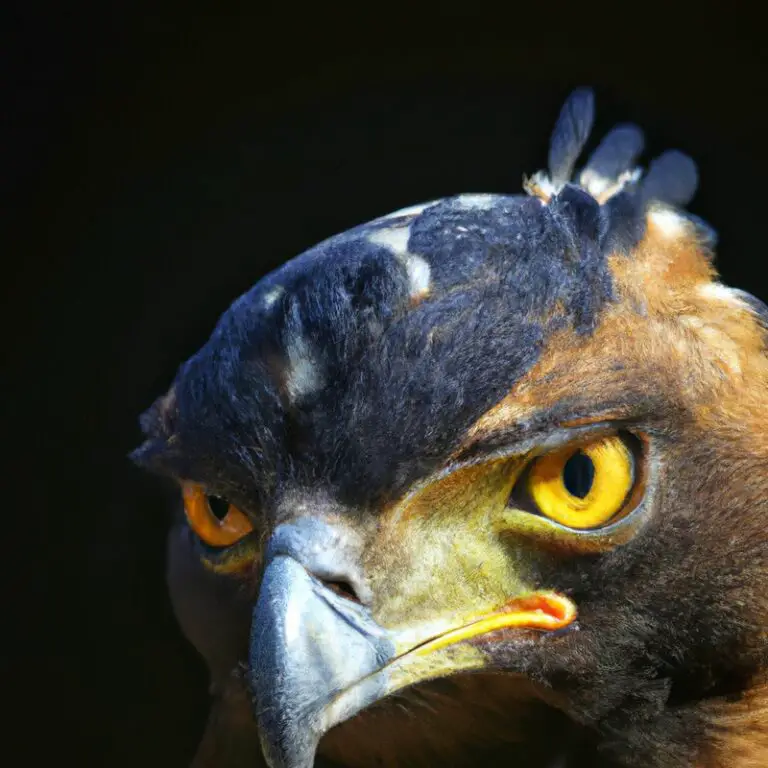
(610,174)
(572,129)
(672,179)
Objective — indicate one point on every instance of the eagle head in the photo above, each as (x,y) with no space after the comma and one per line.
(482,458)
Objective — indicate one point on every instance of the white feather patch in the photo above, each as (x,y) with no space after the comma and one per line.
(303,375)
(719,292)
(272,296)
(411,210)
(594,183)
(396,240)
(418,274)
(669,223)
(476,201)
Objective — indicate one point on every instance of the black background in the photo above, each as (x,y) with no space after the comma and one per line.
(157,162)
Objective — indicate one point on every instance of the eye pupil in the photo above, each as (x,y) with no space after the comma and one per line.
(219,507)
(578,474)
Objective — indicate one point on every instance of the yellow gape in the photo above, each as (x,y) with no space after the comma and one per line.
(583,487)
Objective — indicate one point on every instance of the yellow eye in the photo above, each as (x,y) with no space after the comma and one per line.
(216,530)
(583,487)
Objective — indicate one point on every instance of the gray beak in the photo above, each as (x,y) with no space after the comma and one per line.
(314,655)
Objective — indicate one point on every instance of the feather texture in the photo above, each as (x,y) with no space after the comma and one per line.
(570,134)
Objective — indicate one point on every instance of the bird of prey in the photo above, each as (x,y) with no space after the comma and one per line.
(483,482)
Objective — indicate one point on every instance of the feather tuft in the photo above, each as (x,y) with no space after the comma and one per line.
(570,134)
(672,179)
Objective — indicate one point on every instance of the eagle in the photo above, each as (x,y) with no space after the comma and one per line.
(483,481)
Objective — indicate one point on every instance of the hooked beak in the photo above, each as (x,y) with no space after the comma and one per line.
(318,658)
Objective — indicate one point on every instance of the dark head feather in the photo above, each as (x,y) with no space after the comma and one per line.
(388,340)
(672,179)
(570,134)
(617,152)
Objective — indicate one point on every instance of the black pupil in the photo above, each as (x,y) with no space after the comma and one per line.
(218,506)
(578,474)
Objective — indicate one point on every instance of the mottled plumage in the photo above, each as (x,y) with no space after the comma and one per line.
(391,384)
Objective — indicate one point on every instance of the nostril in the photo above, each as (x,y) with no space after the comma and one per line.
(343,589)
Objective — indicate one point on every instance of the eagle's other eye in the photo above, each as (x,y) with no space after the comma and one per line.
(216,522)
(583,487)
